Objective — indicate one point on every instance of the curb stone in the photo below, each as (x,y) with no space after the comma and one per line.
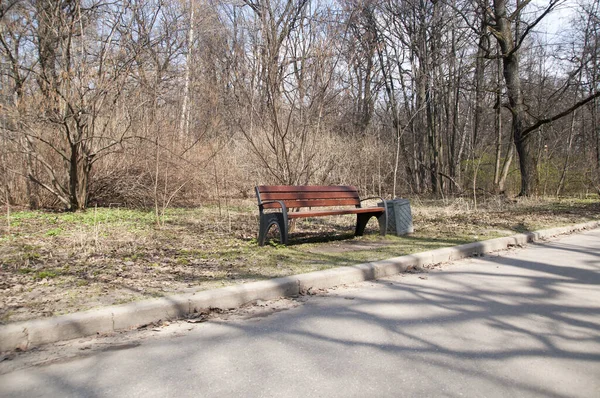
(28,334)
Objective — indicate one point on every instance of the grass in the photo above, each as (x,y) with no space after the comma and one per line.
(54,263)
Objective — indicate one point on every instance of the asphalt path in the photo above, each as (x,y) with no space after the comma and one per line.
(525,323)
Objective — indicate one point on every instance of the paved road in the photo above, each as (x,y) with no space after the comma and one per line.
(525,324)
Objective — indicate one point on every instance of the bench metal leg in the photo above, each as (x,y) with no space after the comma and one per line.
(361,223)
(383,223)
(363,219)
(267,220)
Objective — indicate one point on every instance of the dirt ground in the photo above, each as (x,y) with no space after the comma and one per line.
(56,263)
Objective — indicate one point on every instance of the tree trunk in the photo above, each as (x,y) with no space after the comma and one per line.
(596,131)
(510,60)
(506,168)
(498,109)
(563,174)
(479,81)
(31,187)
(527,163)
(184,122)
(79,170)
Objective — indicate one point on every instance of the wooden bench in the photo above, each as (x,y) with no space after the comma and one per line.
(337,199)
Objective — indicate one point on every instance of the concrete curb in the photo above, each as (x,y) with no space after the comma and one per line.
(28,334)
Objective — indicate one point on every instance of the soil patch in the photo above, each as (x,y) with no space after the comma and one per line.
(351,245)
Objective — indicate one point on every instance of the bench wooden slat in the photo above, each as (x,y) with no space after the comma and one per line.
(292,204)
(306,188)
(307,195)
(333,212)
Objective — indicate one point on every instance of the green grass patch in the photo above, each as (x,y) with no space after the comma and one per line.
(47,274)
(54,232)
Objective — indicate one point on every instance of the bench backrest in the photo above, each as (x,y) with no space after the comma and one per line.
(307,195)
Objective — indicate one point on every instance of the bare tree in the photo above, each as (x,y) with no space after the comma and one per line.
(506,29)
(281,87)
(80,72)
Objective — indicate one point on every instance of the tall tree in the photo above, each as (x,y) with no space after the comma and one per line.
(505,27)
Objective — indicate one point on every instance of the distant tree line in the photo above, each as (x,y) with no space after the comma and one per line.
(152,102)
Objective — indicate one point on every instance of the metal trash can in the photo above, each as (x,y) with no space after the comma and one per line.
(399,217)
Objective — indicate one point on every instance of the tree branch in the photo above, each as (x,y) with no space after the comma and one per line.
(521,39)
(560,115)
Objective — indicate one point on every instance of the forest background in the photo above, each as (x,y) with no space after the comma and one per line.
(162,115)
(151,103)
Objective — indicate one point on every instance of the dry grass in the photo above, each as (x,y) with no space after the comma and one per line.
(56,263)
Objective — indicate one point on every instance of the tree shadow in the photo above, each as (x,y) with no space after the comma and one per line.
(500,324)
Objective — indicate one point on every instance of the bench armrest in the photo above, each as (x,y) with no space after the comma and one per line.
(281,203)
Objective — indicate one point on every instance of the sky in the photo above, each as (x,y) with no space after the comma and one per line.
(557,22)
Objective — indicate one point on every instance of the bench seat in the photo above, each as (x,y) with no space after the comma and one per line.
(335,212)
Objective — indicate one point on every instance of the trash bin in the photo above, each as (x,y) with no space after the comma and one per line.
(399,217)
